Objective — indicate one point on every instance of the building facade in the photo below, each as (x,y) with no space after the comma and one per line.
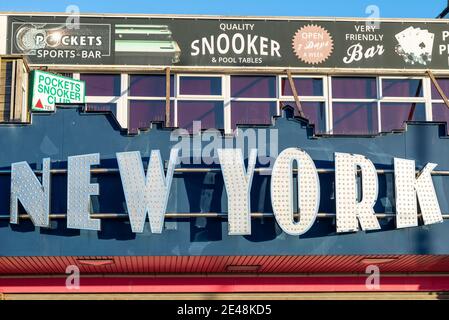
(348,106)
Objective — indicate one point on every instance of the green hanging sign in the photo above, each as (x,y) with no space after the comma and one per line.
(49,89)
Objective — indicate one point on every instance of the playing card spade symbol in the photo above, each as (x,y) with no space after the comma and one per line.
(415,45)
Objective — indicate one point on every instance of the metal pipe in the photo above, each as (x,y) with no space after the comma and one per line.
(204,170)
(178,215)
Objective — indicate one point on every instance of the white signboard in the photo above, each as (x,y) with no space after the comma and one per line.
(49,89)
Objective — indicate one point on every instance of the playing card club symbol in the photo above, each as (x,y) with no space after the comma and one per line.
(415,45)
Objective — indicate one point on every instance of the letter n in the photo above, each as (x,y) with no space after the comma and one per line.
(34,196)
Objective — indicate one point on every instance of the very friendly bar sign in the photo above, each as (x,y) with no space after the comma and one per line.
(49,89)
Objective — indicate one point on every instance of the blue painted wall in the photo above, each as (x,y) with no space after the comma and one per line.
(69,131)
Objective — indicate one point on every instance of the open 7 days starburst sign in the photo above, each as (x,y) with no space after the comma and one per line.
(49,89)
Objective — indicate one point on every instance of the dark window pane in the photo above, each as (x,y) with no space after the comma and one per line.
(66,74)
(394,115)
(143,112)
(102,107)
(252,112)
(210,86)
(440,112)
(314,111)
(304,86)
(355,118)
(253,86)
(210,113)
(444,84)
(102,84)
(402,88)
(354,88)
(8,90)
(149,85)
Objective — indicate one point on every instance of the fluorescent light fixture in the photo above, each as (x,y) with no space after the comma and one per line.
(95,262)
(379,260)
(243,268)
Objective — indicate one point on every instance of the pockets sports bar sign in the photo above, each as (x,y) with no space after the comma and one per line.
(204,41)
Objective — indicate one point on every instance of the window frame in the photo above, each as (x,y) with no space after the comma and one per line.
(183,97)
(120,101)
(352,100)
(149,97)
(123,106)
(192,97)
(129,97)
(433,101)
(324,98)
(301,97)
(425,99)
(229,129)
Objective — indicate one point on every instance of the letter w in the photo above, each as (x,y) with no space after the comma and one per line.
(146,194)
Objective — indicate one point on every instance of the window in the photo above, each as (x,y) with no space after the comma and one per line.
(143,112)
(402,88)
(14,88)
(200,85)
(253,100)
(153,85)
(402,99)
(252,112)
(103,93)
(354,88)
(307,87)
(354,105)
(253,87)
(369,105)
(9,84)
(440,112)
(312,95)
(395,114)
(147,100)
(348,105)
(102,107)
(102,84)
(210,113)
(355,118)
(66,74)
(200,98)
(315,112)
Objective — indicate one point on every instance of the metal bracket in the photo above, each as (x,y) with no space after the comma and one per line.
(295,94)
(167,97)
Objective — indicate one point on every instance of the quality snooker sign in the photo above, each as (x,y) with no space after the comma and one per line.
(49,89)
(147,193)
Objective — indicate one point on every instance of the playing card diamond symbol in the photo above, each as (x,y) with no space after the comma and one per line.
(415,45)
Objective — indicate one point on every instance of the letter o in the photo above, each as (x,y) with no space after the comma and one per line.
(219,47)
(242,43)
(282,191)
